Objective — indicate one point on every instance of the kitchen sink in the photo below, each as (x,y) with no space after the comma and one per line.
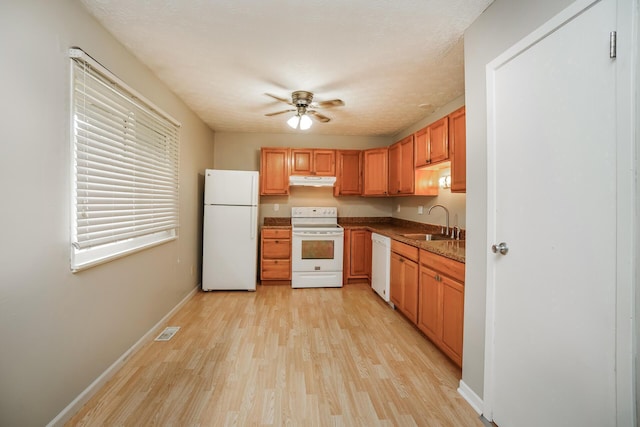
(424,236)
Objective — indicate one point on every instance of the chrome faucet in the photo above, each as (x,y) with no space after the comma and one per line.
(447,217)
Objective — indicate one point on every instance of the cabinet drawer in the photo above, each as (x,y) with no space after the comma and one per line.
(277,269)
(405,250)
(444,265)
(276,233)
(276,248)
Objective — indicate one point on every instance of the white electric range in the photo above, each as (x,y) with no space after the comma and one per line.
(316,247)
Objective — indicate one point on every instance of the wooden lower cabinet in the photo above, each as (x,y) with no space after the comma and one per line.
(430,297)
(441,303)
(357,255)
(404,279)
(452,318)
(275,255)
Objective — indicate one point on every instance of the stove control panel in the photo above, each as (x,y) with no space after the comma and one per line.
(314,212)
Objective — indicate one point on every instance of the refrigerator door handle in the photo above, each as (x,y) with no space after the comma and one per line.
(254,191)
(254,222)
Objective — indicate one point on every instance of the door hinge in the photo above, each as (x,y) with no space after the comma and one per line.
(612,44)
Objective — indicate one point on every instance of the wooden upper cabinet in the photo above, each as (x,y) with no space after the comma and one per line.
(407,176)
(301,161)
(439,140)
(401,169)
(394,169)
(375,166)
(324,162)
(432,143)
(313,162)
(458,147)
(421,142)
(348,173)
(274,171)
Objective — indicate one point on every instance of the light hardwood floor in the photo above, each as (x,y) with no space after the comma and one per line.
(282,356)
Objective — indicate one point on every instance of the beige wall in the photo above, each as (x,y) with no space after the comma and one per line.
(235,150)
(59,330)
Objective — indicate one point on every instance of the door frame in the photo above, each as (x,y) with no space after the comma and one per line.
(626,228)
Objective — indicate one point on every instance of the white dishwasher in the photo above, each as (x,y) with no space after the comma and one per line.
(380,264)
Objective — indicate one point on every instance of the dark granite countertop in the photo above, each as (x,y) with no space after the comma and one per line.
(394,228)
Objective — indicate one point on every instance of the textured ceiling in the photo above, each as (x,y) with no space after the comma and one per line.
(382,58)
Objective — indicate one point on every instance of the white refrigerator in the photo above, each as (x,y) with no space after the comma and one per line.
(230,230)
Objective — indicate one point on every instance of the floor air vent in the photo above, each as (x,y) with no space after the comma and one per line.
(168,333)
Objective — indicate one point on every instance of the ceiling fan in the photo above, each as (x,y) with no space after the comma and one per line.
(304,108)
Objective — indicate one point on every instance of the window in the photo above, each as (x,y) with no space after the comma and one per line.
(124,168)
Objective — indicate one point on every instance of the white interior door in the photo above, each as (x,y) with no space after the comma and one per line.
(552,200)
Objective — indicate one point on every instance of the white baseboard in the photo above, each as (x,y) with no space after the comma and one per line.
(73,407)
(469,395)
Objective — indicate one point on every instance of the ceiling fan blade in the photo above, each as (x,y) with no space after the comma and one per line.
(319,117)
(286,101)
(279,112)
(330,103)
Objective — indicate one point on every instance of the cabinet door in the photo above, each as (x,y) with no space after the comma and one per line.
(430,304)
(358,253)
(458,147)
(375,172)
(439,141)
(324,163)
(421,151)
(395,281)
(452,318)
(274,171)
(301,161)
(348,173)
(406,173)
(410,285)
(394,169)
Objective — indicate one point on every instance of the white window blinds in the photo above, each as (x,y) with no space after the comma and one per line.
(125,168)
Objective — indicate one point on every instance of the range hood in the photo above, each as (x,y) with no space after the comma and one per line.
(312,180)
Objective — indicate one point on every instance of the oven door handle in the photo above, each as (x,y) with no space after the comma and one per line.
(318,234)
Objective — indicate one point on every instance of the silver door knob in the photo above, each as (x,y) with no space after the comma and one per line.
(500,247)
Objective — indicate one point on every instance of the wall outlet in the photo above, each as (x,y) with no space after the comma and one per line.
(420,210)
(276,207)
(398,208)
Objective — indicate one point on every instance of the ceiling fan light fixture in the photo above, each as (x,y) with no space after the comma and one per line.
(303,103)
(294,121)
(305,122)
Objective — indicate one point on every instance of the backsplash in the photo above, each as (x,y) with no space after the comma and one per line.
(309,196)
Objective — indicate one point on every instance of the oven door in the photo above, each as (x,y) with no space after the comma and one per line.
(317,251)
